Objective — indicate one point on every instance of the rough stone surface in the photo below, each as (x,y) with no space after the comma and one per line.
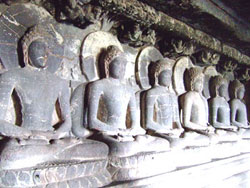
(146,56)
(178,74)
(52,174)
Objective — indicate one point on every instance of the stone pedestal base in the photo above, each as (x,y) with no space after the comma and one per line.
(244,145)
(229,172)
(140,166)
(87,174)
(190,156)
(224,150)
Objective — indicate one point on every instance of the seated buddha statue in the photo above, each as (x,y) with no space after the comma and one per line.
(194,109)
(238,108)
(161,105)
(219,110)
(113,113)
(36,141)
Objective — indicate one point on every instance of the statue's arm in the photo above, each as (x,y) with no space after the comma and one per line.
(13,131)
(7,84)
(187,108)
(6,89)
(133,111)
(213,113)
(135,124)
(206,108)
(64,101)
(149,113)
(93,104)
(176,117)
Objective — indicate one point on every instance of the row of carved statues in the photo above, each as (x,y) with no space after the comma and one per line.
(126,123)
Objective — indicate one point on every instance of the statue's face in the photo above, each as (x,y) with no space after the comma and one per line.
(117,68)
(198,84)
(37,54)
(165,78)
(241,93)
(223,90)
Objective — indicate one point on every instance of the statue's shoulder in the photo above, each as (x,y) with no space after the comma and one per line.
(14,73)
(56,79)
(153,91)
(234,101)
(99,83)
(213,101)
(189,94)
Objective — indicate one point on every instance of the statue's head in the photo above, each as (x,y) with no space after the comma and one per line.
(35,48)
(236,90)
(219,87)
(194,79)
(117,67)
(111,53)
(162,73)
(43,48)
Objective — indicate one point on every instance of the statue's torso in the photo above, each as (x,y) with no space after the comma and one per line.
(38,92)
(198,108)
(223,110)
(165,106)
(241,111)
(116,98)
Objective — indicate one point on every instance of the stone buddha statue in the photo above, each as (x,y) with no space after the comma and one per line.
(161,104)
(36,141)
(194,108)
(219,110)
(238,107)
(113,113)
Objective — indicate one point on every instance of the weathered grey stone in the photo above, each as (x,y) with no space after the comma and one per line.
(180,66)
(238,108)
(208,73)
(9,179)
(54,174)
(141,166)
(161,109)
(35,143)
(219,110)
(24,178)
(145,57)
(74,183)
(108,103)
(92,46)
(14,22)
(194,107)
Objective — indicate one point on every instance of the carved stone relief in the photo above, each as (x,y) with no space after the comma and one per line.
(82,106)
(95,44)
(146,56)
(209,72)
(181,65)
(13,23)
